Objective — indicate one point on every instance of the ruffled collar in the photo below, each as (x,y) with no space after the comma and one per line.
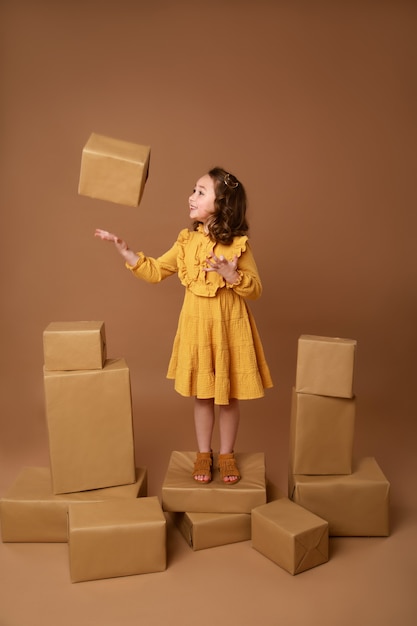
(193,252)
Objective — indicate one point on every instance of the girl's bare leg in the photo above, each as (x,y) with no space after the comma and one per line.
(228,424)
(204,423)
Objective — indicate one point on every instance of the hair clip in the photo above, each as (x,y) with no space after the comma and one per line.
(230,181)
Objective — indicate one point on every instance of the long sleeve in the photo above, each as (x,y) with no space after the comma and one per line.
(154,270)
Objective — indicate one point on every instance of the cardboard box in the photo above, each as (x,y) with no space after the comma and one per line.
(89,419)
(322,430)
(208,530)
(180,492)
(116,538)
(325,366)
(30,512)
(355,505)
(114,170)
(292,537)
(74,346)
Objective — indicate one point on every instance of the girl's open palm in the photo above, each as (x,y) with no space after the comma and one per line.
(105,235)
(121,246)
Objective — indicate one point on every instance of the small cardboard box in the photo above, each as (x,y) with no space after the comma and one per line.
(208,530)
(321,434)
(89,420)
(180,492)
(114,170)
(325,366)
(355,505)
(292,537)
(74,346)
(116,538)
(30,512)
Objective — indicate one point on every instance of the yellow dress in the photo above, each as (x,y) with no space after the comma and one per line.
(217,351)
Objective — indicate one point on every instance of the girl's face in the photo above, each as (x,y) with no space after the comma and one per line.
(201,201)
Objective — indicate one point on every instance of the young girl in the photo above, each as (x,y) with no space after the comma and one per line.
(217,356)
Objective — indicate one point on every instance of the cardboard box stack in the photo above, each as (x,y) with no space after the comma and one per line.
(213,514)
(353,496)
(329,494)
(91,486)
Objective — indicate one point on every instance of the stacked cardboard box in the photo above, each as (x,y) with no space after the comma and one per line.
(353,496)
(88,411)
(214,514)
(329,493)
(91,485)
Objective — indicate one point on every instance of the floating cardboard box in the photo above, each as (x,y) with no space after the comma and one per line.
(116,538)
(325,366)
(292,537)
(180,492)
(208,530)
(74,346)
(89,419)
(114,170)
(321,434)
(354,505)
(30,512)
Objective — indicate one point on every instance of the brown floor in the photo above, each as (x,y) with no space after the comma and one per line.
(366,581)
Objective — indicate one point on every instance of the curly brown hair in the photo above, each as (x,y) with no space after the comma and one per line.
(229,217)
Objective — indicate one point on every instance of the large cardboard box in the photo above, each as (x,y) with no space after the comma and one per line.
(30,512)
(292,537)
(180,492)
(116,538)
(322,431)
(354,505)
(208,530)
(113,170)
(325,366)
(89,419)
(74,346)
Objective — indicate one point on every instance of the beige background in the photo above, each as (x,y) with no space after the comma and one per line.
(312,104)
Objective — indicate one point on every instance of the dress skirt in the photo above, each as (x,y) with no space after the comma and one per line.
(217,352)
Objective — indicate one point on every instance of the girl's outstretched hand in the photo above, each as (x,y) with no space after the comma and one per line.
(120,245)
(104,234)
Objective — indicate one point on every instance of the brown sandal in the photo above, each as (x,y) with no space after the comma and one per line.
(202,467)
(228,468)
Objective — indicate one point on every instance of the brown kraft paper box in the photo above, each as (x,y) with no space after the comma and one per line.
(180,492)
(116,538)
(208,530)
(322,431)
(325,366)
(89,420)
(113,170)
(355,505)
(74,346)
(30,512)
(292,537)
